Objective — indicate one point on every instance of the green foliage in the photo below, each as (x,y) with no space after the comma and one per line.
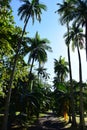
(9,35)
(60,69)
(6,31)
(5,3)
(31,9)
(37,48)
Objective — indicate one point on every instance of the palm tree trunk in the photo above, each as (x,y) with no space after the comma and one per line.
(31,67)
(29,80)
(71,91)
(7,104)
(71,88)
(82,122)
(6,113)
(86,39)
(39,78)
(25,25)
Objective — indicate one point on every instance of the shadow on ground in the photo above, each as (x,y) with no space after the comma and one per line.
(48,125)
(48,122)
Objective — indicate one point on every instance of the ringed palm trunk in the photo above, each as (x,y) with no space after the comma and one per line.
(82,122)
(71,87)
(7,104)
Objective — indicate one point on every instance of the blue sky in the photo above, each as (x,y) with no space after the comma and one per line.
(51,29)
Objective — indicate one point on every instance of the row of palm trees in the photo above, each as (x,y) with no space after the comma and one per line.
(74,12)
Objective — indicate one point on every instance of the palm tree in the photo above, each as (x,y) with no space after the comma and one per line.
(80,17)
(30,10)
(76,35)
(75,11)
(37,48)
(61,69)
(71,82)
(65,9)
(41,71)
(27,10)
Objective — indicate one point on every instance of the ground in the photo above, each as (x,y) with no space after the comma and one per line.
(49,122)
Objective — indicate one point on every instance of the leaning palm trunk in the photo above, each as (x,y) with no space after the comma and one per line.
(71,87)
(6,113)
(82,122)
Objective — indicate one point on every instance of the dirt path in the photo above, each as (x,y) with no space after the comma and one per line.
(48,122)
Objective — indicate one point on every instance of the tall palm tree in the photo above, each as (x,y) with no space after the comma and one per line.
(37,49)
(61,69)
(30,10)
(42,73)
(65,9)
(80,17)
(75,11)
(27,10)
(71,82)
(76,35)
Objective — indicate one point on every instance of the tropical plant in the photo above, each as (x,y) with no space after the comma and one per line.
(27,10)
(5,3)
(61,69)
(30,10)
(75,11)
(76,35)
(37,49)
(80,17)
(65,9)
(61,96)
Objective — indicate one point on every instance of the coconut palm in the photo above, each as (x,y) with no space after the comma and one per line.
(76,35)
(75,11)
(42,72)
(61,69)
(71,82)
(37,49)
(64,10)
(80,17)
(30,10)
(27,10)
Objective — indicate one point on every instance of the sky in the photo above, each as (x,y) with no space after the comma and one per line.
(51,29)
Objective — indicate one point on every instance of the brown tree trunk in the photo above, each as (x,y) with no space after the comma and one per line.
(7,104)
(86,39)
(71,87)
(71,91)
(82,122)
